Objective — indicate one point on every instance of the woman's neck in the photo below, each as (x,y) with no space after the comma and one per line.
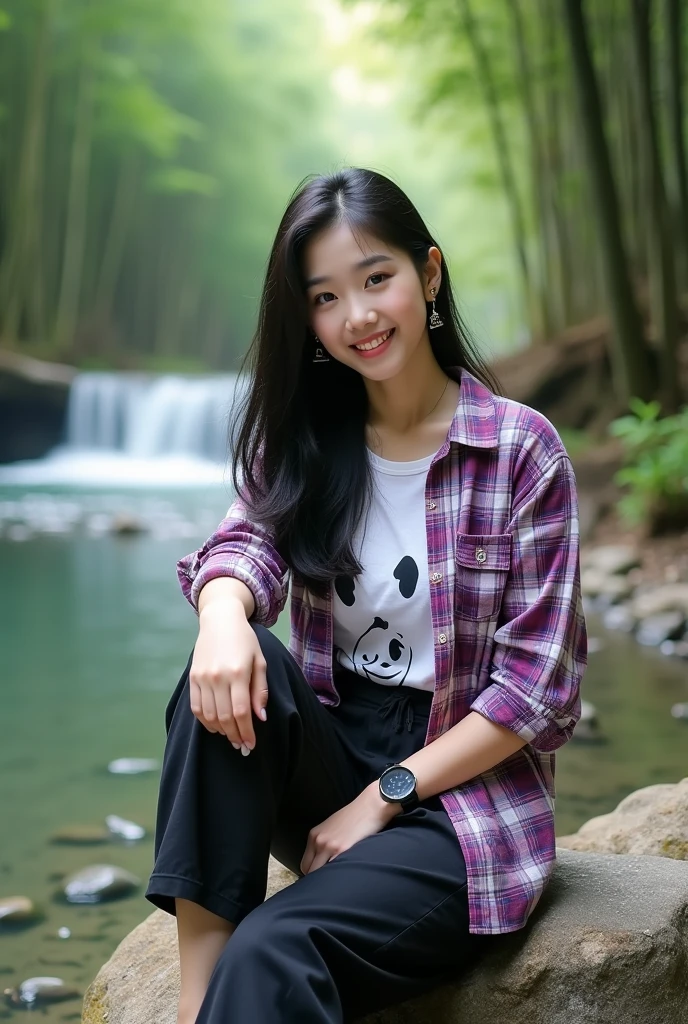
(409,416)
(402,404)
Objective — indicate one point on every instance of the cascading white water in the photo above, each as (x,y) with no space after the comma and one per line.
(149,417)
(133,429)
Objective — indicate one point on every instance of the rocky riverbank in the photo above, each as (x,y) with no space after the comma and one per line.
(608,941)
(639,584)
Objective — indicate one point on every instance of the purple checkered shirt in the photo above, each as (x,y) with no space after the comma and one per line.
(510,636)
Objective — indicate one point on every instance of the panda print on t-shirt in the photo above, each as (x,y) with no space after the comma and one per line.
(381,653)
(382,618)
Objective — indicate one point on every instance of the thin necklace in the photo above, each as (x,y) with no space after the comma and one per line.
(374,431)
(437,402)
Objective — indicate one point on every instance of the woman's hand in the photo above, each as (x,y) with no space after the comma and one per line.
(228,677)
(364,816)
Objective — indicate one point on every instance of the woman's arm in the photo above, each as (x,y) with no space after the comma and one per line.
(472,746)
(540,650)
(243,550)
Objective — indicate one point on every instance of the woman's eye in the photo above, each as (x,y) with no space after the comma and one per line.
(380,275)
(319,297)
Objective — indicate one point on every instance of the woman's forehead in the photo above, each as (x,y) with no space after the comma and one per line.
(337,250)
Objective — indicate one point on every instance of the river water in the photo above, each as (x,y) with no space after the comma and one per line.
(94,636)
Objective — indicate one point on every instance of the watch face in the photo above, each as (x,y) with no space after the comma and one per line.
(398,783)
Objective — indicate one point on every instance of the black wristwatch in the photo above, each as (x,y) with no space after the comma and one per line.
(398,786)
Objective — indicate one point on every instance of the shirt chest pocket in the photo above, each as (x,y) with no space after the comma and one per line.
(482,568)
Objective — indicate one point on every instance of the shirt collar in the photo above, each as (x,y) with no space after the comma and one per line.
(475,419)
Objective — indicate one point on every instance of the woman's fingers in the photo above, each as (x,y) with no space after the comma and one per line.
(208,708)
(241,709)
(225,715)
(259,686)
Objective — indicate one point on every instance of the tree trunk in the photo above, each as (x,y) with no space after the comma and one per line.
(662,270)
(115,240)
(505,165)
(674,33)
(632,376)
(21,257)
(539,178)
(77,208)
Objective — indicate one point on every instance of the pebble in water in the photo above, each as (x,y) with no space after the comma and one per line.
(17,910)
(81,835)
(124,829)
(133,765)
(35,991)
(99,882)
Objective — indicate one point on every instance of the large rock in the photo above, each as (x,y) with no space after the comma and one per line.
(33,405)
(608,942)
(652,820)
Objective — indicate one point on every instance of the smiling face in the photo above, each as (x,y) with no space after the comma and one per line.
(382,657)
(366,301)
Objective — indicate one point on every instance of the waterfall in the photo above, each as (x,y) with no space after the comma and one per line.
(129,428)
(151,417)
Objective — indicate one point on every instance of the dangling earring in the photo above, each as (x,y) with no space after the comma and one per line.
(435,319)
(319,356)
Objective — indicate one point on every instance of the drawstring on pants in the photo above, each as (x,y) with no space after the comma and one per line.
(401,708)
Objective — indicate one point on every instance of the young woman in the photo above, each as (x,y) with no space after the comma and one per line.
(400,756)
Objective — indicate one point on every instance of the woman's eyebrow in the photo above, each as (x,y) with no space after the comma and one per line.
(369,261)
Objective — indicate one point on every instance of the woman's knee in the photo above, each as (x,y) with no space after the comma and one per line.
(260,939)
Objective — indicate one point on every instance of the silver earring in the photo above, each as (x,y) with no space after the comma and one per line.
(435,319)
(320,356)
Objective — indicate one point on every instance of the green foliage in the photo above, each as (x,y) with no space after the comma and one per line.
(575,441)
(656,470)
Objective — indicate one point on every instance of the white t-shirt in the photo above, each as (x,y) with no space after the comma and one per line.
(382,618)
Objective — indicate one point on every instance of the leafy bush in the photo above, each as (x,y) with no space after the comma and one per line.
(656,470)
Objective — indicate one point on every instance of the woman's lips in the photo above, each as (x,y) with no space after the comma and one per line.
(371,352)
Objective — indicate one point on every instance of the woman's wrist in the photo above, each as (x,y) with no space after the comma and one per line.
(386,810)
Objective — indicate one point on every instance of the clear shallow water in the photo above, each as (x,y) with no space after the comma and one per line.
(94,637)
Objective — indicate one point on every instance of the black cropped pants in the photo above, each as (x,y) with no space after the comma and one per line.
(385,920)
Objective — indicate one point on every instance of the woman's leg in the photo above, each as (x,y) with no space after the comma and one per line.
(202,936)
(218,812)
(382,922)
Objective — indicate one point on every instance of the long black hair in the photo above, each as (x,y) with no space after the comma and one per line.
(300,459)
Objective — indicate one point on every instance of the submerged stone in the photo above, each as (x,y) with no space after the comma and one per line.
(99,882)
(37,991)
(17,910)
(81,835)
(133,765)
(124,829)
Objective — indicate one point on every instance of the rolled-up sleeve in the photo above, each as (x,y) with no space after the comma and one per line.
(540,645)
(246,551)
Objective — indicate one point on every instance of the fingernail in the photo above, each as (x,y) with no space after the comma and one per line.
(236,746)
(245,750)
(263,714)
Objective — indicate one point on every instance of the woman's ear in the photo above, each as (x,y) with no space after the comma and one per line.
(433,271)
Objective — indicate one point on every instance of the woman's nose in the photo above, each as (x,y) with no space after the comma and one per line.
(359,317)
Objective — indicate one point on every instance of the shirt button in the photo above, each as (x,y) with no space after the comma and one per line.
(436,577)
(480,555)
(430,505)
(442,638)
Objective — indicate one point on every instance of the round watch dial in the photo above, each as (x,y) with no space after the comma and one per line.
(398,783)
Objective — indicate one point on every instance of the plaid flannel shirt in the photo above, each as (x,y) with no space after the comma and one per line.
(510,636)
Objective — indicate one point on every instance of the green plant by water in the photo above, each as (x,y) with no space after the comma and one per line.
(655,475)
